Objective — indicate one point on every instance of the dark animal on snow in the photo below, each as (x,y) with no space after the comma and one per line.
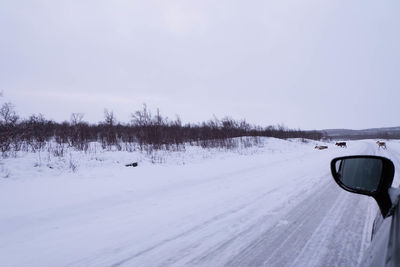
(341,144)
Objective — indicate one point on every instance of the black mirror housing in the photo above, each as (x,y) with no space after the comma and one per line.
(365,175)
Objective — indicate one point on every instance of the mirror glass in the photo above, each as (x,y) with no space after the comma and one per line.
(360,173)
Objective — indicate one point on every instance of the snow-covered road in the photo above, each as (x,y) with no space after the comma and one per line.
(276,208)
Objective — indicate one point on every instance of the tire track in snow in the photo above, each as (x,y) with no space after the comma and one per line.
(318,233)
(278,245)
(337,241)
(253,230)
(329,228)
(193,229)
(192,254)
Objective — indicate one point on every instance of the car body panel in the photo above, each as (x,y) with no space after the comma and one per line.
(384,249)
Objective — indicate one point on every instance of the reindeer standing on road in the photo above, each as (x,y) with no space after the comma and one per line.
(341,144)
(381,144)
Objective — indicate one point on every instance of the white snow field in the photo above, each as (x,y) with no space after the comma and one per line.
(275,205)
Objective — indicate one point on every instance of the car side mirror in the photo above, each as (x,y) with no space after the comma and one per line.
(366,175)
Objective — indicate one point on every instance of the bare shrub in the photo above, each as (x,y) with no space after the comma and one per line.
(8,129)
(73,165)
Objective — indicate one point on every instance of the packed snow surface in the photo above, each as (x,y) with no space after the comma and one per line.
(273,205)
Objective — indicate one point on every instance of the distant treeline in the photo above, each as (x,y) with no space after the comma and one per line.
(143,131)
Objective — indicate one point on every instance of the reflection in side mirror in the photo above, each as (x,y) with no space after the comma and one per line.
(361,174)
(366,175)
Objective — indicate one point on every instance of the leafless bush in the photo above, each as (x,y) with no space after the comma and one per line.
(58,150)
(8,131)
(79,132)
(72,164)
(108,131)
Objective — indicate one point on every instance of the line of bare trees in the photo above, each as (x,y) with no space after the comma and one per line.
(145,131)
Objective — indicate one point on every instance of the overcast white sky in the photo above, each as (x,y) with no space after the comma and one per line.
(309,64)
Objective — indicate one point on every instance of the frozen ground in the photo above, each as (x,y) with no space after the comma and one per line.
(270,206)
